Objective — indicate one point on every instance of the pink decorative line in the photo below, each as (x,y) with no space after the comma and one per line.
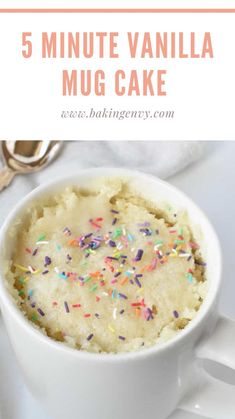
(92,10)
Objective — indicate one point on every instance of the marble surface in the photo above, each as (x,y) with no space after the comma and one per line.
(210,182)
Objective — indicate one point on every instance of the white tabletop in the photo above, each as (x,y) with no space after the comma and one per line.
(210,182)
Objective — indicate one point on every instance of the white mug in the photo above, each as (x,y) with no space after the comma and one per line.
(150,383)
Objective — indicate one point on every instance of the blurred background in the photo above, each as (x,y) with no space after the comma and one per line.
(203,170)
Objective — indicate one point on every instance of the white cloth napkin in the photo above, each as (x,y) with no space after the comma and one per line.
(163,158)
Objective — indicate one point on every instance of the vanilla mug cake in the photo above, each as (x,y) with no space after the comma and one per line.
(103,269)
(109,288)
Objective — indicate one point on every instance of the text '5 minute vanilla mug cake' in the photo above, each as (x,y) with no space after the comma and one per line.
(104,270)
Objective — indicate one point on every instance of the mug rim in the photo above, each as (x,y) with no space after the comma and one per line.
(7,300)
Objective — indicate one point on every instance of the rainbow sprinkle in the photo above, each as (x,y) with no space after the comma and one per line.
(90,336)
(121,337)
(41,312)
(66,307)
(139,255)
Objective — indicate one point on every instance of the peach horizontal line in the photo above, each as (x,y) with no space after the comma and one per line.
(117,10)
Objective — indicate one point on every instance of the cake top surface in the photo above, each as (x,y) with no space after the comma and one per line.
(104,270)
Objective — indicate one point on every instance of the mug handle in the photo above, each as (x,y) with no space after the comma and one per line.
(211,397)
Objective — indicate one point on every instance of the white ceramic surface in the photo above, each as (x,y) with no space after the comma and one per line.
(16,402)
(149,383)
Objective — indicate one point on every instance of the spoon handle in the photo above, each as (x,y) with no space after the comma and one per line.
(6,176)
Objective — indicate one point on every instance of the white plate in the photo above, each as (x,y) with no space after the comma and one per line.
(15,400)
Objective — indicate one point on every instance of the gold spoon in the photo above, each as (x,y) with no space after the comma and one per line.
(21,157)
